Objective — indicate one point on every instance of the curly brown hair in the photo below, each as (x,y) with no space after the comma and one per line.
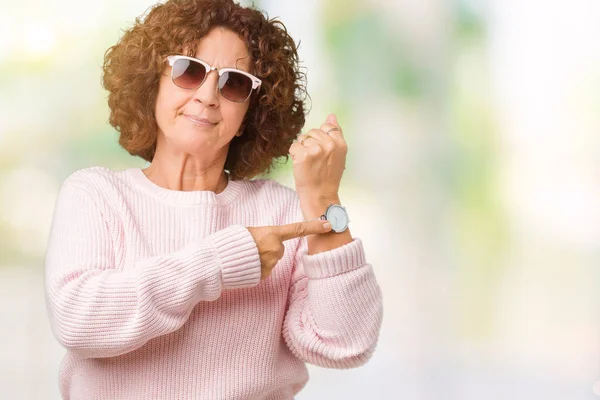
(132,70)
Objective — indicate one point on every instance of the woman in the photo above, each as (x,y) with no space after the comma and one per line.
(186,279)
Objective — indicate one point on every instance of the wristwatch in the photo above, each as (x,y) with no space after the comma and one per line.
(337,216)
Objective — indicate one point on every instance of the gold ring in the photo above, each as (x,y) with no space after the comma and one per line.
(304,138)
(333,129)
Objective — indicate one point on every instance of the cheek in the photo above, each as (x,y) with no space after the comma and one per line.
(167,110)
(234,115)
(168,101)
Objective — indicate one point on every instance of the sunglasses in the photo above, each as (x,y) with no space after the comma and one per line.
(190,73)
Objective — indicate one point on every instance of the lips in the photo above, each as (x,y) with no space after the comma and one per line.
(197,120)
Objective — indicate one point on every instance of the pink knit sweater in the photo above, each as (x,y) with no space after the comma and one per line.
(156,293)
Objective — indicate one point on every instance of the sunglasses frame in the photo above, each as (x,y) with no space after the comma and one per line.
(255,81)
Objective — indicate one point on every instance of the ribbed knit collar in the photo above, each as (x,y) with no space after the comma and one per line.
(231,192)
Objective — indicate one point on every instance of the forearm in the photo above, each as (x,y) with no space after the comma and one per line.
(104,312)
(107,313)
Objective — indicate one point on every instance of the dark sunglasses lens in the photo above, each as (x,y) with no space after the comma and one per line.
(188,74)
(235,86)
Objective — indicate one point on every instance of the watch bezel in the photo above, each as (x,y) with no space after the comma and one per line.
(328,210)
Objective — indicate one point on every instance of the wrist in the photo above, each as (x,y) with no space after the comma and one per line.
(314,207)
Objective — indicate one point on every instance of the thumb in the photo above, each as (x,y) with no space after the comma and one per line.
(332,119)
(299,229)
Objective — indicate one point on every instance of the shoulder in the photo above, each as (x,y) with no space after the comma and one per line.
(97,175)
(93,182)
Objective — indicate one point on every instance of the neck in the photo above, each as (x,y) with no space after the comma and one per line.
(187,177)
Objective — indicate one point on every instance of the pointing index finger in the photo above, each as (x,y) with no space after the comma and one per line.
(299,229)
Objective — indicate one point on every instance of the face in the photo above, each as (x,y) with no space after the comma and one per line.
(200,121)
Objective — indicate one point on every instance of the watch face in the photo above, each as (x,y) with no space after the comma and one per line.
(338,218)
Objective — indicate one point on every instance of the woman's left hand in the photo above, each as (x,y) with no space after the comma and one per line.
(319,160)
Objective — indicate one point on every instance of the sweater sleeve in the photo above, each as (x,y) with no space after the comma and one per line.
(97,310)
(334,307)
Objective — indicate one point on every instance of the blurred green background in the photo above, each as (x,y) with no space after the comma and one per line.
(472,179)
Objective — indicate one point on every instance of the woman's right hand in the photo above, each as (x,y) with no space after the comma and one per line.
(269,240)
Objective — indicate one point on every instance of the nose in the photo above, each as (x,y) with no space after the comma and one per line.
(207,92)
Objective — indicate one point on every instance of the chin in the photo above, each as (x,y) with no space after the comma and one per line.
(197,143)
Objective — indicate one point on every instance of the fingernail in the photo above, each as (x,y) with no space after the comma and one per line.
(327,225)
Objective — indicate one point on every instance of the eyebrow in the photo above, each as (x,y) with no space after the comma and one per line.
(241,58)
